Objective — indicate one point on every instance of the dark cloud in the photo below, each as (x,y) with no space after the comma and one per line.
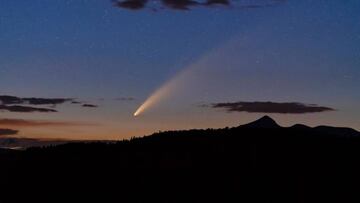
(179,4)
(187,4)
(43,101)
(8,132)
(7,100)
(90,105)
(125,99)
(35,123)
(130,4)
(29,104)
(216,2)
(76,102)
(25,109)
(271,107)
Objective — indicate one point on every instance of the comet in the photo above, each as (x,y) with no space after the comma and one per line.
(161,92)
(154,98)
(181,78)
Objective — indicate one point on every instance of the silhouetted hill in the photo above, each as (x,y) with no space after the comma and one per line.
(337,131)
(264,122)
(300,127)
(257,162)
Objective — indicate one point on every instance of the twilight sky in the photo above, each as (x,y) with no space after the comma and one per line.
(207,65)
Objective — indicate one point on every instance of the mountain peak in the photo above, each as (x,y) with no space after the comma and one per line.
(263,122)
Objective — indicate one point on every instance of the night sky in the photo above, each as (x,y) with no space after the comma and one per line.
(216,65)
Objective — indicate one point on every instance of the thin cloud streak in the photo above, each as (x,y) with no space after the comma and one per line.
(7,100)
(25,109)
(271,107)
(30,104)
(90,106)
(37,123)
(187,4)
(8,132)
(125,99)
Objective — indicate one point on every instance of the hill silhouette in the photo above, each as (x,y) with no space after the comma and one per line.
(264,122)
(257,162)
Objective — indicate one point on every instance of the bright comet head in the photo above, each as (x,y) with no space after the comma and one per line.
(155,97)
(136,113)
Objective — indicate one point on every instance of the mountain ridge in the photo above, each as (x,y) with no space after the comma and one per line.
(266,122)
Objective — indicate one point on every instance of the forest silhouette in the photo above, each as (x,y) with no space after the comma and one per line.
(257,162)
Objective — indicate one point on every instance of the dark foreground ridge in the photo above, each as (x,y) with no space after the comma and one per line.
(257,162)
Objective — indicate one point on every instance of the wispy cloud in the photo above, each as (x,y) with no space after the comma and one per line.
(271,107)
(7,100)
(36,123)
(25,109)
(90,105)
(130,4)
(187,4)
(125,99)
(31,104)
(8,132)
